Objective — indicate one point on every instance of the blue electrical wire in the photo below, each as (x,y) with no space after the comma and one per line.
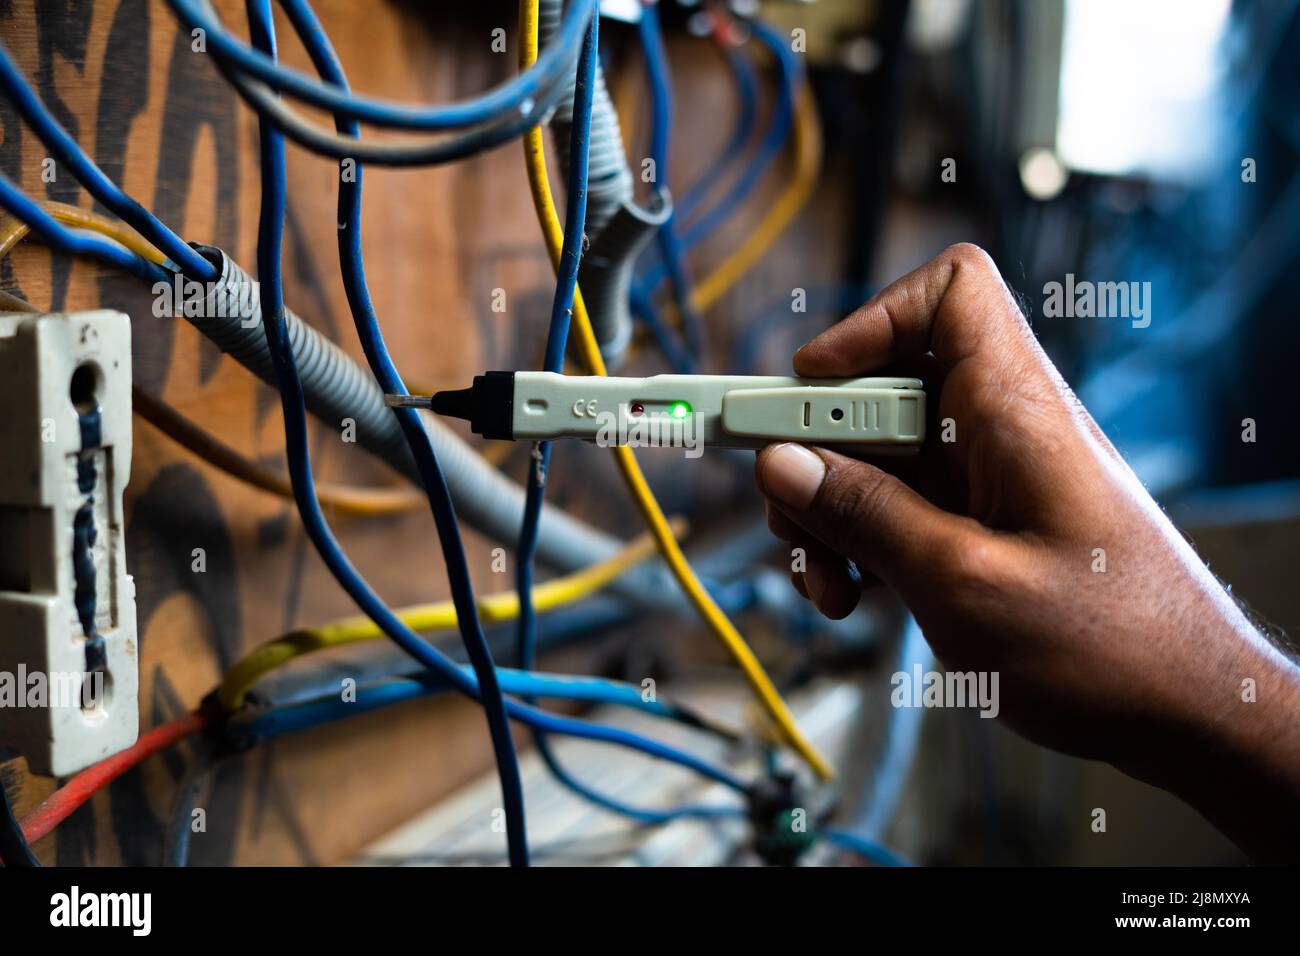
(570,687)
(746,81)
(646,815)
(318,530)
(868,849)
(566,284)
(897,751)
(352,264)
(837,299)
(66,152)
(769,148)
(293,718)
(561,312)
(670,249)
(61,239)
(520,94)
(765,154)
(575,215)
(304,715)
(644,309)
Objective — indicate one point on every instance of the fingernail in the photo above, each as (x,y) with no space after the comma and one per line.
(792,474)
(815,582)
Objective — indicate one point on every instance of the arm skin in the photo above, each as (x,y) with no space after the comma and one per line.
(990,541)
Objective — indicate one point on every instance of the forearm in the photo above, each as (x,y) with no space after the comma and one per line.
(1233,748)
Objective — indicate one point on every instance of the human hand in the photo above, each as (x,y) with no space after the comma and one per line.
(1029,548)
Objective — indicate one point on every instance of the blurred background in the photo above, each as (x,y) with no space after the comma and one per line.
(1152,144)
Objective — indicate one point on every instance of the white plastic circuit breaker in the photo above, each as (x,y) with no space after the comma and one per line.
(68,647)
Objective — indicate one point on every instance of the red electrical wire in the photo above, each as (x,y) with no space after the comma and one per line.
(63,802)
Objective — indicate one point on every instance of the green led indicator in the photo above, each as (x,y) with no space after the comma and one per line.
(679,409)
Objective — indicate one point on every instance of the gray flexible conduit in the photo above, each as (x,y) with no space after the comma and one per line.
(337,388)
(617,227)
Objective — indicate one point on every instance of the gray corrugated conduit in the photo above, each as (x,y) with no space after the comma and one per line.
(618,228)
(337,388)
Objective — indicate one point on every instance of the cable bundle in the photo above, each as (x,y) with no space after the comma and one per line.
(312,373)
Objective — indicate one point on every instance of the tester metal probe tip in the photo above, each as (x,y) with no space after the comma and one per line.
(408,401)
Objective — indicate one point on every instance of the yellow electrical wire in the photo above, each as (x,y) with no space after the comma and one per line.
(492,608)
(14,230)
(767,694)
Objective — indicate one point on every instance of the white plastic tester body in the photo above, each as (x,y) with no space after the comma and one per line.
(730,411)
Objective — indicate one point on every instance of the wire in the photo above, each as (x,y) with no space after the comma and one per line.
(795,97)
(12,233)
(899,743)
(83,786)
(518,95)
(775,707)
(646,815)
(567,264)
(759,241)
(661,108)
(352,265)
(62,803)
(327,708)
(765,154)
(868,849)
(808,158)
(648,313)
(566,286)
(745,78)
(769,147)
(557,336)
(561,312)
(348,499)
(65,150)
(53,234)
(418,152)
(179,829)
(492,608)
(14,849)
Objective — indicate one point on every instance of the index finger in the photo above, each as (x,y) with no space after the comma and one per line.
(956,306)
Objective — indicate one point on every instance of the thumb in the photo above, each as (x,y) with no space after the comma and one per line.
(861,512)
